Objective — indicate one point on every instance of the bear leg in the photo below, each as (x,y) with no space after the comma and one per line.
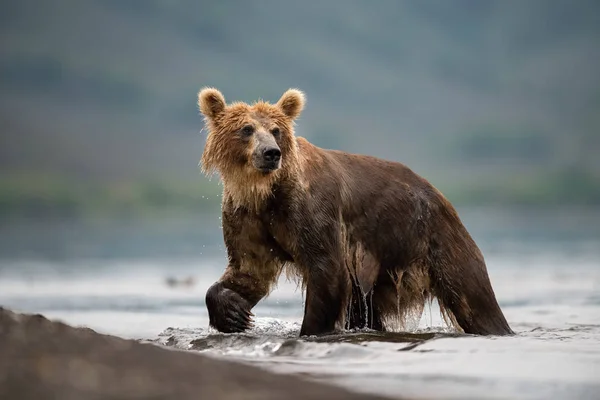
(327,294)
(467,293)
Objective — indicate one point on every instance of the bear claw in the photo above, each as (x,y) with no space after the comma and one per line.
(228,311)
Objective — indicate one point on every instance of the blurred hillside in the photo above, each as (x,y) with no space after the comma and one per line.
(496,102)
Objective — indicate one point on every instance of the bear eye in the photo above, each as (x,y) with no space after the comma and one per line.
(248,130)
(275,131)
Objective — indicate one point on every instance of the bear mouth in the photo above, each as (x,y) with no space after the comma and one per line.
(267,168)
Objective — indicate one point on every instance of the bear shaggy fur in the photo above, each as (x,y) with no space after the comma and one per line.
(370,240)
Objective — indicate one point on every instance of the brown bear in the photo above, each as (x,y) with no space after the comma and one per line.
(369,239)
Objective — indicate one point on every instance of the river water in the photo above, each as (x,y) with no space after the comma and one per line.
(549,290)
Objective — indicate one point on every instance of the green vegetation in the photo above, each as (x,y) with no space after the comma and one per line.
(52,196)
(571,187)
(33,196)
(501,141)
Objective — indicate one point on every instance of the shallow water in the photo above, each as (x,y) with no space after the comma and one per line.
(551,299)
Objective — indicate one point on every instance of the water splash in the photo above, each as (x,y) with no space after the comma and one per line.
(272,337)
(265,337)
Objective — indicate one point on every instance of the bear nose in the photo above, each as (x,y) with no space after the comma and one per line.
(272,155)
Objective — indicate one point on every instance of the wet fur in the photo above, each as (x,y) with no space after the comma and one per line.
(369,240)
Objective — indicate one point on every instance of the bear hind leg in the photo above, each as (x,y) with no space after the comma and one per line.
(466,299)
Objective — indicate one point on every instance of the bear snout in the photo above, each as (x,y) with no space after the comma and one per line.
(272,155)
(267,158)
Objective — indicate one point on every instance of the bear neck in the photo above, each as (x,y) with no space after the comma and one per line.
(255,193)
(247,193)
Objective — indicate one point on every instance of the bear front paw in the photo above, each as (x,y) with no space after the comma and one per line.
(228,312)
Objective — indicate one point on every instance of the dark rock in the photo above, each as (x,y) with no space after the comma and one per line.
(43,359)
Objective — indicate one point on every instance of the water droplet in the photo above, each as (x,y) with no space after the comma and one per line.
(366,309)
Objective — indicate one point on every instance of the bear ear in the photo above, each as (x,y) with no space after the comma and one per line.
(211,102)
(292,103)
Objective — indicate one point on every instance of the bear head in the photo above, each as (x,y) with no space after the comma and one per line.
(249,145)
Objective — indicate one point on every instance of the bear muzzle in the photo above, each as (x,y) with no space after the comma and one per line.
(267,158)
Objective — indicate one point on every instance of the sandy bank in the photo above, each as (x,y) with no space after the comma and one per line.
(45,359)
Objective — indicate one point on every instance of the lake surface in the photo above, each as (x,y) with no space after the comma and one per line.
(547,282)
